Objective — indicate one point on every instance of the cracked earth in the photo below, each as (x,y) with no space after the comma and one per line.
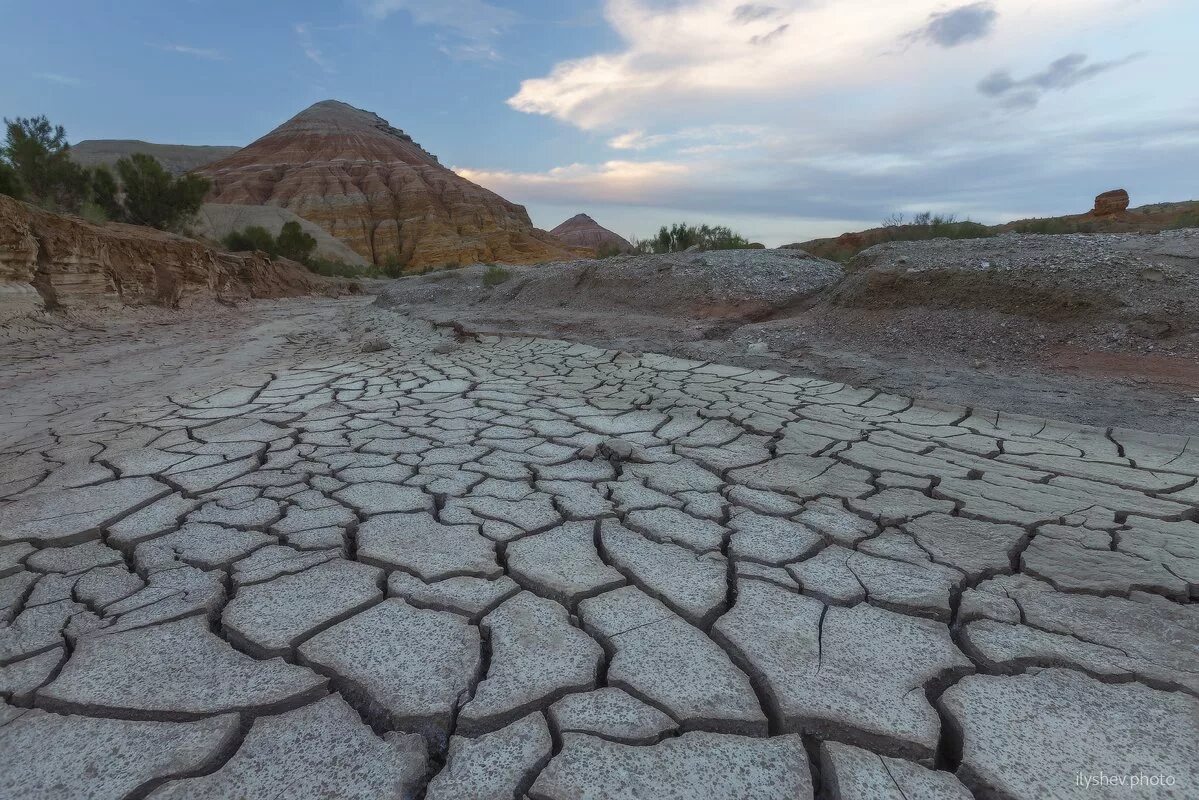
(494,567)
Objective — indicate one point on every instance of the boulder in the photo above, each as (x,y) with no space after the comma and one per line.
(1113,202)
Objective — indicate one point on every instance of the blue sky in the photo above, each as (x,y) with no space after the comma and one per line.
(784,118)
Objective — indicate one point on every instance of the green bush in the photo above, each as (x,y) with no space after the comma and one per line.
(495,275)
(294,243)
(681,237)
(154,197)
(337,269)
(254,237)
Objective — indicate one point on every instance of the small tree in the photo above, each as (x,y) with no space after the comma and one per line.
(294,243)
(153,197)
(38,154)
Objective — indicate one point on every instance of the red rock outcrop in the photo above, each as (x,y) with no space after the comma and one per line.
(69,261)
(582,231)
(371,186)
(1114,202)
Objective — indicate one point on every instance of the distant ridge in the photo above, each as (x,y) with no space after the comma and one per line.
(582,231)
(177,158)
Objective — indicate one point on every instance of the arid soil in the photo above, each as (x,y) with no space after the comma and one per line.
(1097,330)
(311,549)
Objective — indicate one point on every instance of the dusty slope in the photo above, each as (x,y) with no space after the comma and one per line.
(177,158)
(1097,330)
(216,221)
(369,185)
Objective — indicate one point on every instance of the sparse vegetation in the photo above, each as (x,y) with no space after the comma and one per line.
(339,269)
(253,237)
(292,242)
(152,196)
(681,237)
(494,275)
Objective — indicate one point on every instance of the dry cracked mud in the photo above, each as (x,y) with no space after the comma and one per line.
(494,567)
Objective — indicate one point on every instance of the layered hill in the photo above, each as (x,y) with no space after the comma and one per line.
(582,231)
(371,186)
(177,158)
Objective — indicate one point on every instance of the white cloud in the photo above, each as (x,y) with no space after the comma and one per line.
(54,77)
(197,52)
(833,114)
(309,47)
(692,56)
(471,19)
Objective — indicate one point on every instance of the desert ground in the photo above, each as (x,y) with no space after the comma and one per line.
(525,542)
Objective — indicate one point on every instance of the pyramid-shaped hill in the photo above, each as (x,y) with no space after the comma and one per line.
(372,187)
(582,231)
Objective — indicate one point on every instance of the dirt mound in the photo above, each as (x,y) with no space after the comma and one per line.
(1147,283)
(729,284)
(68,261)
(1098,329)
(371,186)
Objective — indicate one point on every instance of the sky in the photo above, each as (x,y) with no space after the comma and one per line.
(785,119)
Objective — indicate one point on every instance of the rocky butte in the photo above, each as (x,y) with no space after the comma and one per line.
(371,186)
(582,231)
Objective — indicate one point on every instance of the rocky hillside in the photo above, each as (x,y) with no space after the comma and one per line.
(54,260)
(177,158)
(582,231)
(371,186)
(1110,214)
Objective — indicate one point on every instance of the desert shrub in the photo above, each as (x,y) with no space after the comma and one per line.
(254,237)
(38,165)
(292,242)
(495,275)
(680,237)
(152,196)
(337,269)
(927,225)
(1055,226)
